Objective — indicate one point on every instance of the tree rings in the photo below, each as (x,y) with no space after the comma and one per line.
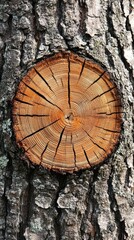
(67,113)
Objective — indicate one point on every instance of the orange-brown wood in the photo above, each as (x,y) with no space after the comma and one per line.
(67,113)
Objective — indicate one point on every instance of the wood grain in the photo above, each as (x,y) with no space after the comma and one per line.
(67,113)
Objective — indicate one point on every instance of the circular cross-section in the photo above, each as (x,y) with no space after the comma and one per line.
(67,113)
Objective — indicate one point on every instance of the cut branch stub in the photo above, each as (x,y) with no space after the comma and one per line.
(67,113)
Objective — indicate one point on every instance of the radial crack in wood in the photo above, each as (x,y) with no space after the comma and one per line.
(67,113)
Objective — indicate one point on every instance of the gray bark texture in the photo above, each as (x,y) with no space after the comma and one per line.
(37,204)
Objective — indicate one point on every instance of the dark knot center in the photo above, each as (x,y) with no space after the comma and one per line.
(69,116)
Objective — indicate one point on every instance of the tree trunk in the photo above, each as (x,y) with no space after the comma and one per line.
(37,204)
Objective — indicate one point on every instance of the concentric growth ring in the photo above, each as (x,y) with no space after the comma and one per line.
(67,113)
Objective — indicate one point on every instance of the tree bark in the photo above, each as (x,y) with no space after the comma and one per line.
(37,204)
